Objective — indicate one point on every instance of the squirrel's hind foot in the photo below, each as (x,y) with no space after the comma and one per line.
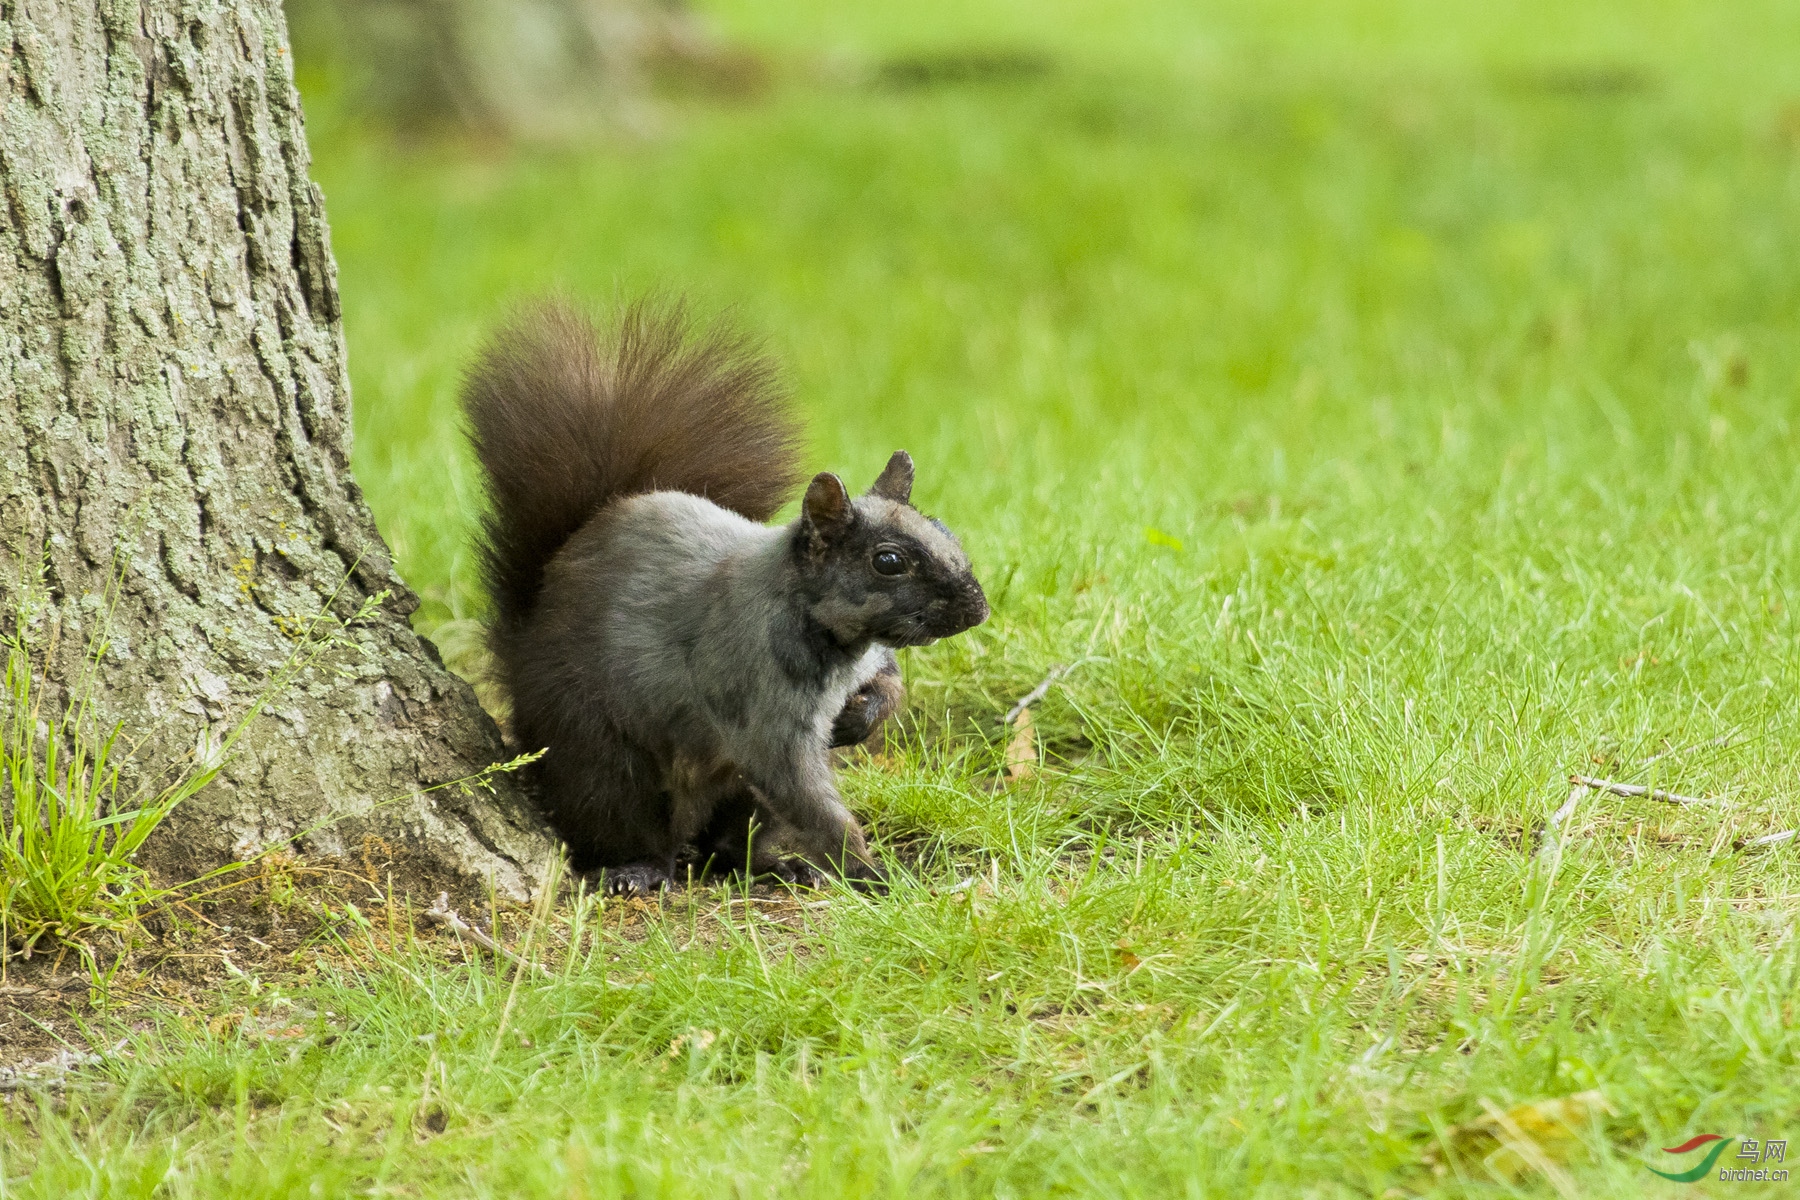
(634,879)
(799,873)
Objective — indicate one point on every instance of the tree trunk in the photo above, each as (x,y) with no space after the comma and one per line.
(175,415)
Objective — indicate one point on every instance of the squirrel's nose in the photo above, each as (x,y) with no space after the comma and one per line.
(975,604)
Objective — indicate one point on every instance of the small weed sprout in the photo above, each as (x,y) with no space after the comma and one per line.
(69,831)
(67,845)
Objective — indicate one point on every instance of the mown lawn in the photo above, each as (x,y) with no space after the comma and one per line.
(1383,409)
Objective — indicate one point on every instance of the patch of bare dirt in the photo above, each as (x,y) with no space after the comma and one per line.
(284,921)
(281,920)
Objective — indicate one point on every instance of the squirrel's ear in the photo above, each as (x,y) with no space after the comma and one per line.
(895,481)
(826,510)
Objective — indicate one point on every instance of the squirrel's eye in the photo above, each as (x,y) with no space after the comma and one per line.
(889,562)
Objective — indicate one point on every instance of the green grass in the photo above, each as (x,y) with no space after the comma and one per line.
(69,833)
(80,801)
(1389,409)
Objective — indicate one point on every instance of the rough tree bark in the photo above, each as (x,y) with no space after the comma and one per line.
(174,406)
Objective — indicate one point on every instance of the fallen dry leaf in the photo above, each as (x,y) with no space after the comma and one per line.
(1021,751)
(1537,1137)
(699,1040)
(1127,956)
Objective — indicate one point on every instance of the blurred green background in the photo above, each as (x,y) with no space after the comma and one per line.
(1166,252)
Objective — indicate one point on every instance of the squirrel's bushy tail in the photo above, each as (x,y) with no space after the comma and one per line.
(565,417)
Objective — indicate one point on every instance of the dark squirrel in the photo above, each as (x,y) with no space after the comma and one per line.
(686,667)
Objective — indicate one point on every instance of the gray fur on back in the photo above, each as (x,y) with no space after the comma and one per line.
(675,685)
(699,600)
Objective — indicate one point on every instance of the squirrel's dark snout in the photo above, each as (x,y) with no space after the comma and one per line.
(966,609)
(975,605)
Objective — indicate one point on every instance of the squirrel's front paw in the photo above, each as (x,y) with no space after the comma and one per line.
(800,873)
(868,708)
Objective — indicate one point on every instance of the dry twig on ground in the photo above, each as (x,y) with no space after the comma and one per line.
(1584,783)
(1563,813)
(1034,695)
(1633,789)
(442,914)
(1568,806)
